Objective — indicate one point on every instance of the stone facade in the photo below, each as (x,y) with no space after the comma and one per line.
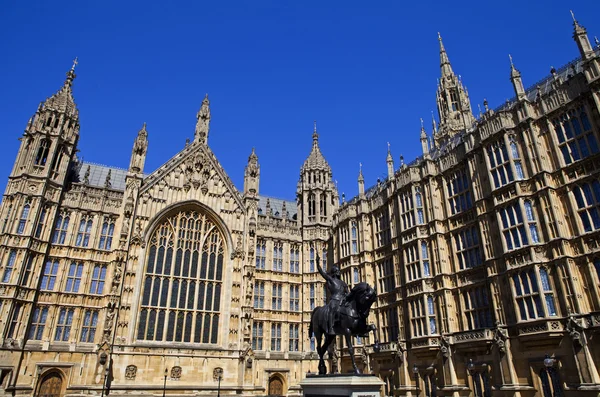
(484,251)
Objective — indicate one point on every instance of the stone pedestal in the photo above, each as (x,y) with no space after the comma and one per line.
(341,385)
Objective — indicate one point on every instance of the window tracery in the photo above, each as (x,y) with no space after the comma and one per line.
(181,296)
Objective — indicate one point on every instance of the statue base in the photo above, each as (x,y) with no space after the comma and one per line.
(341,385)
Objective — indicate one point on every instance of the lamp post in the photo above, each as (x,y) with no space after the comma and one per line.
(219,377)
(549,362)
(416,372)
(102,361)
(165,382)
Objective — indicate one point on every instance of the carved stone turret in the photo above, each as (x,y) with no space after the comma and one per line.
(203,122)
(138,154)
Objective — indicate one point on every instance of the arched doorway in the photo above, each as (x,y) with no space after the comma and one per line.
(275,386)
(51,386)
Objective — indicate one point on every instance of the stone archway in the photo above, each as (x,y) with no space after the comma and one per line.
(276,386)
(51,385)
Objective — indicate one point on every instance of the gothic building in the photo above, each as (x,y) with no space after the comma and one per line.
(485,252)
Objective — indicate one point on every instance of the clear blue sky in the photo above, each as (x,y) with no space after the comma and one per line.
(366,71)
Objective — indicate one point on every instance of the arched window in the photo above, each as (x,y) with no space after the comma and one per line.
(40,225)
(425,258)
(516,158)
(23,220)
(431,315)
(60,231)
(42,154)
(83,235)
(181,295)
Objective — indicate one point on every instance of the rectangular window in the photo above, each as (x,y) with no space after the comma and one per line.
(418,318)
(294,298)
(90,322)
(106,234)
(425,259)
(477,308)
(407,214)
(459,193)
(14,321)
(23,219)
(311,266)
(60,230)
(257,336)
(40,225)
(499,162)
(531,302)
(382,229)
(295,260)
(63,326)
(387,282)
(276,337)
(294,337)
(98,277)
(74,277)
(277,296)
(312,296)
(576,139)
(259,294)
(277,258)
(468,252)
(354,236)
(261,254)
(413,264)
(83,235)
(513,228)
(431,315)
(10,265)
(27,274)
(38,322)
(49,275)
(587,197)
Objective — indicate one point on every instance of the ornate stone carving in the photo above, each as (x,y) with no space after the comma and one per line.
(575,331)
(500,337)
(176,372)
(130,372)
(217,373)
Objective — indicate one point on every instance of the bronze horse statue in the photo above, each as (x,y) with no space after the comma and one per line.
(350,320)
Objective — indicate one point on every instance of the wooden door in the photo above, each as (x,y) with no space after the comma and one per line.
(275,386)
(51,386)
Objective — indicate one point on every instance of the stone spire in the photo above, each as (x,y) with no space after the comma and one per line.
(424,141)
(582,40)
(390,162)
(515,78)
(138,153)
(252,175)
(203,122)
(315,159)
(62,101)
(361,180)
(454,107)
(444,61)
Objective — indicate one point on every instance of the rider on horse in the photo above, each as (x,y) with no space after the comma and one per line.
(338,290)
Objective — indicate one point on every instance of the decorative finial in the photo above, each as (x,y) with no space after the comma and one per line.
(86,177)
(485,104)
(187,142)
(422,126)
(511,61)
(315,126)
(315,135)
(360,167)
(479,107)
(401,160)
(573,16)
(439,36)
(596,41)
(75,62)
(107,183)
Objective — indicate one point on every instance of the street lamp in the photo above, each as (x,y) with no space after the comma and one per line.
(219,377)
(549,362)
(470,366)
(165,382)
(416,372)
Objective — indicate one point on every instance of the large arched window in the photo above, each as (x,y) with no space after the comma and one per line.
(181,295)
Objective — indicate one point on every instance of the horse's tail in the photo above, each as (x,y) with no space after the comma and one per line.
(310,327)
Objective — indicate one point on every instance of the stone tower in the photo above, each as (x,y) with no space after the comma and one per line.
(317,199)
(454,107)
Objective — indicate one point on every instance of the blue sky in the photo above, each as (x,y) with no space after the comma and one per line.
(366,71)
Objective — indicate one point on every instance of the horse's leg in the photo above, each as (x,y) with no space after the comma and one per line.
(348,336)
(373,328)
(326,345)
(321,351)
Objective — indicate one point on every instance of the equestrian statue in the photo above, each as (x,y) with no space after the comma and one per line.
(345,314)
